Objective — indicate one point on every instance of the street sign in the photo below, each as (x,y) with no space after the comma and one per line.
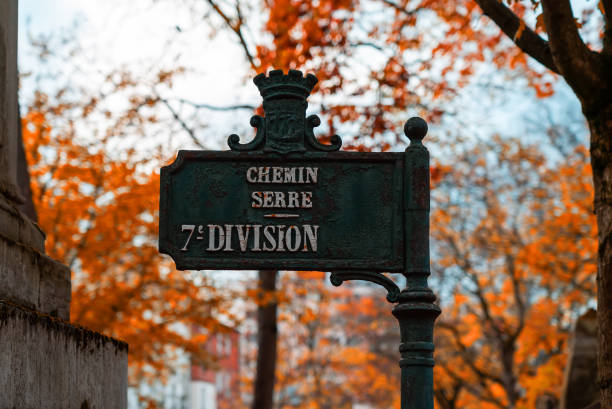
(314,211)
(285,201)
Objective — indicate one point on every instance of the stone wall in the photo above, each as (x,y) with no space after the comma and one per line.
(32,279)
(55,365)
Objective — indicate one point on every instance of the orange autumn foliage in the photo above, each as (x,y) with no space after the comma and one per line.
(338,346)
(514,243)
(101,215)
(387,52)
(513,259)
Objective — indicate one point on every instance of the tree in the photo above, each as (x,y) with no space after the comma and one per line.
(588,74)
(337,352)
(514,239)
(587,71)
(100,216)
(326,30)
(325,36)
(267,334)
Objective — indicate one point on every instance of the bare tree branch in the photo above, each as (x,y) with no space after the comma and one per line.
(607,40)
(518,300)
(399,8)
(178,119)
(216,107)
(467,356)
(581,67)
(528,40)
(367,44)
(483,393)
(236,27)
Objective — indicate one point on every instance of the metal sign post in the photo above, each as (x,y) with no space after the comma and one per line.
(285,201)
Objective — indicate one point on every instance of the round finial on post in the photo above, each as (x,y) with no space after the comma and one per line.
(415,129)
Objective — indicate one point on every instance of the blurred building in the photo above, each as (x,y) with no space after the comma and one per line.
(192,386)
(217,387)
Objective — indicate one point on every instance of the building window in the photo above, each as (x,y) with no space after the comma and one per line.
(228,345)
(228,384)
(220,344)
(219,381)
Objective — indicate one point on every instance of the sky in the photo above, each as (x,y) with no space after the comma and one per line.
(113,34)
(137,32)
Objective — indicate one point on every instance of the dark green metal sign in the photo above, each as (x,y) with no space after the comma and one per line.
(285,201)
(329,211)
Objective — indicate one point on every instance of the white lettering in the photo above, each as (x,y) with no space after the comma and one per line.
(212,228)
(306,199)
(293,200)
(256,229)
(191,228)
(244,237)
(293,245)
(289,175)
(280,200)
(277,175)
(264,174)
(251,175)
(276,238)
(257,200)
(281,237)
(268,199)
(311,236)
(311,175)
(270,238)
(228,237)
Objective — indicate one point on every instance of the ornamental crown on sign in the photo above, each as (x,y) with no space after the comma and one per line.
(277,85)
(285,127)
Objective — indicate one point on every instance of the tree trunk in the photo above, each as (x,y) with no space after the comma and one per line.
(507,350)
(600,124)
(266,345)
(447,402)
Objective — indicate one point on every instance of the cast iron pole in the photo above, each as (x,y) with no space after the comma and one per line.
(416,311)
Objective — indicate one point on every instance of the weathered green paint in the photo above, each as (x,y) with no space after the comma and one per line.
(370,210)
(356,203)
(416,311)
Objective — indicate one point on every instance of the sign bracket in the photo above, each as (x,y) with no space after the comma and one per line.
(393,291)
